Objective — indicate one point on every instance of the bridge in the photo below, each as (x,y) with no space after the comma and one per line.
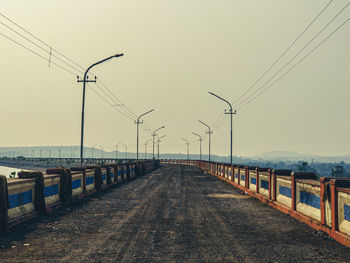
(172,211)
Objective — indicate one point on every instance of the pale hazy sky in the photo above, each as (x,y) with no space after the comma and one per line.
(175,52)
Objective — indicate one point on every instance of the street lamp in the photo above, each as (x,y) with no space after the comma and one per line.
(101,151)
(227,112)
(200,145)
(159,142)
(188,148)
(126,151)
(208,132)
(154,134)
(116,150)
(92,151)
(85,80)
(146,148)
(140,122)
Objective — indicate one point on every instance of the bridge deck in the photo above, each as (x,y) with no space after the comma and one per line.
(176,214)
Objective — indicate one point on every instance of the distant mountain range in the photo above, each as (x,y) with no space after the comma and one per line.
(294,156)
(74,151)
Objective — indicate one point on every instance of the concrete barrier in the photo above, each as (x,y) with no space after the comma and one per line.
(282,186)
(90,181)
(242,177)
(253,179)
(77,183)
(343,196)
(104,174)
(52,190)
(21,197)
(37,193)
(236,174)
(263,182)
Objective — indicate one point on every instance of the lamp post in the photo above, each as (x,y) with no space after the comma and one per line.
(209,132)
(188,148)
(200,145)
(116,150)
(101,151)
(126,151)
(92,151)
(154,134)
(159,142)
(85,80)
(140,122)
(146,148)
(227,112)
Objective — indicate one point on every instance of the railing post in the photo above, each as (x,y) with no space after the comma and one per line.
(293,186)
(257,180)
(334,205)
(323,204)
(247,177)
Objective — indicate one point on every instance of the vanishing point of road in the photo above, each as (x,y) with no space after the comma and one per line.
(175,214)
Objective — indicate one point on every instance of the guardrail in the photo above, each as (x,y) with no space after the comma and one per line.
(323,204)
(35,193)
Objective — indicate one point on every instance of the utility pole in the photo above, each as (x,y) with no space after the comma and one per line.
(209,132)
(154,134)
(146,148)
(101,151)
(200,145)
(92,151)
(126,151)
(188,148)
(159,142)
(231,112)
(140,122)
(86,80)
(116,150)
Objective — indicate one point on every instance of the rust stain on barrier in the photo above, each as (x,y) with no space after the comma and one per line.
(229,196)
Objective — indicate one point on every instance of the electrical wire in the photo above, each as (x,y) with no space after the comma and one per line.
(296,64)
(125,109)
(293,58)
(282,55)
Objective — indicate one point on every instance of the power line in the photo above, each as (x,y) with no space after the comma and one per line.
(36,53)
(288,48)
(32,35)
(123,106)
(109,102)
(296,64)
(47,51)
(291,60)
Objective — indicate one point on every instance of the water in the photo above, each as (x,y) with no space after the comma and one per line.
(8,170)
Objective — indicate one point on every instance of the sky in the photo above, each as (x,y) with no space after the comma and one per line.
(174,53)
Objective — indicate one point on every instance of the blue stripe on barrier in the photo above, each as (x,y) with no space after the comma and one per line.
(286,191)
(89,180)
(104,177)
(347,212)
(310,199)
(119,172)
(111,174)
(253,180)
(242,177)
(20,199)
(264,184)
(236,175)
(51,190)
(76,184)
(230,173)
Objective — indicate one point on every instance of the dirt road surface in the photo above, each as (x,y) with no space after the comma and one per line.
(175,214)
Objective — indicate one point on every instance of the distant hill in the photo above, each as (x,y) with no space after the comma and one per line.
(294,156)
